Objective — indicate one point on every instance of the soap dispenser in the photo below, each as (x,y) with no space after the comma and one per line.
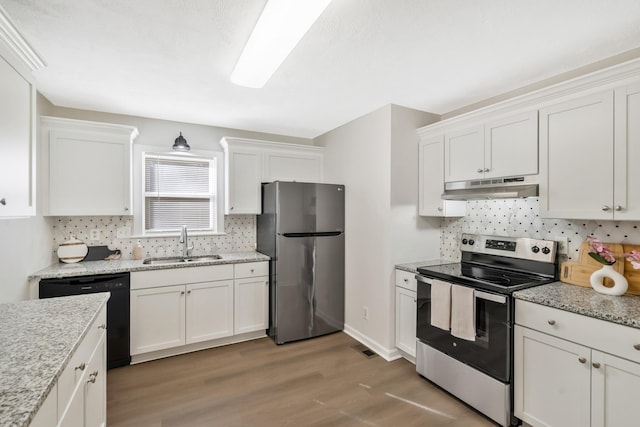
(138,251)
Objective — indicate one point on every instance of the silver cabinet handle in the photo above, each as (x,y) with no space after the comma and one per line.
(189,291)
(479,170)
(439,209)
(252,270)
(582,360)
(551,322)
(102,326)
(126,208)
(80,367)
(406,280)
(486,169)
(3,201)
(605,208)
(231,208)
(595,365)
(92,377)
(637,346)
(618,208)
(182,293)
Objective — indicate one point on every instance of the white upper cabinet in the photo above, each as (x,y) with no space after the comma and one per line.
(17,122)
(503,147)
(511,146)
(589,147)
(249,163)
(87,167)
(431,180)
(626,178)
(464,154)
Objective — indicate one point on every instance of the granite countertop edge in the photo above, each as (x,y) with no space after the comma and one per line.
(25,387)
(623,310)
(412,267)
(87,268)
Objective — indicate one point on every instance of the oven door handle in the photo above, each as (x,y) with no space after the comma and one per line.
(500,299)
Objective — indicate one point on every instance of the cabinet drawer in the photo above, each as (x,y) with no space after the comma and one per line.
(79,361)
(180,276)
(595,333)
(251,269)
(406,280)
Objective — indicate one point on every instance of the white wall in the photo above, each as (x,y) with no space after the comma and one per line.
(26,243)
(367,156)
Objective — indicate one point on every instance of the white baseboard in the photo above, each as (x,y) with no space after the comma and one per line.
(174,351)
(386,353)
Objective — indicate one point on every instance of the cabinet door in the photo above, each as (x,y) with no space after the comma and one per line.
(552,380)
(406,321)
(157,318)
(576,158)
(243,182)
(511,146)
(431,181)
(626,191)
(17,178)
(290,166)
(615,384)
(209,311)
(95,387)
(464,154)
(89,174)
(251,304)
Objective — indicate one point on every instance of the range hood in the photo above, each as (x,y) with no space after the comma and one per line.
(495,188)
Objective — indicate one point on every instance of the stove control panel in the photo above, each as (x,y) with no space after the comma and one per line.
(515,247)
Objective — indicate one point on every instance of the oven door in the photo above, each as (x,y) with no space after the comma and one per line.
(491,350)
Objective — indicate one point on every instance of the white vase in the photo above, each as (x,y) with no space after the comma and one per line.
(620,283)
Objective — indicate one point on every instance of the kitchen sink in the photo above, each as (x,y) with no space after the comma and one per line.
(179,259)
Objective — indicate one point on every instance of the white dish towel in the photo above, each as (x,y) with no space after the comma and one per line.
(441,304)
(463,312)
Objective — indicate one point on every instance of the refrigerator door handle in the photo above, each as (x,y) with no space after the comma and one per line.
(315,234)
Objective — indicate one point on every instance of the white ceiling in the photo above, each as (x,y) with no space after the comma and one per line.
(172,59)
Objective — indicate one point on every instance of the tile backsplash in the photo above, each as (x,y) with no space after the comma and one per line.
(115,231)
(520,218)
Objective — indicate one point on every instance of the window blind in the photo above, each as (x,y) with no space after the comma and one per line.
(179,191)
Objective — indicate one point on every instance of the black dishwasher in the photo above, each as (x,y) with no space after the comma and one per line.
(117,307)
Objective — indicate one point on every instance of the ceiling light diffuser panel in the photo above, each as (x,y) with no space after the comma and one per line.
(279,29)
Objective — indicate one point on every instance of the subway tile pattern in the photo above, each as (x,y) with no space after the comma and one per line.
(520,218)
(115,232)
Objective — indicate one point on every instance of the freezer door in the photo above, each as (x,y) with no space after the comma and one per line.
(308,287)
(307,208)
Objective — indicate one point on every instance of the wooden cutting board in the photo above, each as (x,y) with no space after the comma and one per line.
(578,273)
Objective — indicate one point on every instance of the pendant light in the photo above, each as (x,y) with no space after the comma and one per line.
(180,144)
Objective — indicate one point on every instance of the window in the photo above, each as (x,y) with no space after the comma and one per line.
(176,190)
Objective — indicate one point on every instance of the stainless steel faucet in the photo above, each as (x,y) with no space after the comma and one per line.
(186,249)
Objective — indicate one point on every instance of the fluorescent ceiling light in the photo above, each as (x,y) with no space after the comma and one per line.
(279,29)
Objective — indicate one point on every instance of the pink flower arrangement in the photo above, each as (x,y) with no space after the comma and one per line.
(601,253)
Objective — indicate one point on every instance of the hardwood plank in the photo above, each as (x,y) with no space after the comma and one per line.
(326,381)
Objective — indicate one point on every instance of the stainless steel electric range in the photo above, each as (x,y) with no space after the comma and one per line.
(478,368)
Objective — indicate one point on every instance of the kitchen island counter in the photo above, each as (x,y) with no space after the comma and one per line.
(624,309)
(38,338)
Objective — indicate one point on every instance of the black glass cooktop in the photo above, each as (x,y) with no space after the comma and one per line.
(484,277)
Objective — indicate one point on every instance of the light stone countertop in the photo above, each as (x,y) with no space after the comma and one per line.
(37,340)
(624,309)
(57,271)
(412,267)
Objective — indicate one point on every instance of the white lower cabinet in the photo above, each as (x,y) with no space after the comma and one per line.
(406,313)
(82,386)
(563,378)
(175,309)
(209,311)
(251,303)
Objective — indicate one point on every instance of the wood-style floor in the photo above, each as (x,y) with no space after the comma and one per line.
(326,381)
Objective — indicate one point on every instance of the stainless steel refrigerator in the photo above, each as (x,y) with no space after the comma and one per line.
(302,229)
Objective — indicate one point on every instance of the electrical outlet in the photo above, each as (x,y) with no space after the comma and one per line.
(123,232)
(94,234)
(365,312)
